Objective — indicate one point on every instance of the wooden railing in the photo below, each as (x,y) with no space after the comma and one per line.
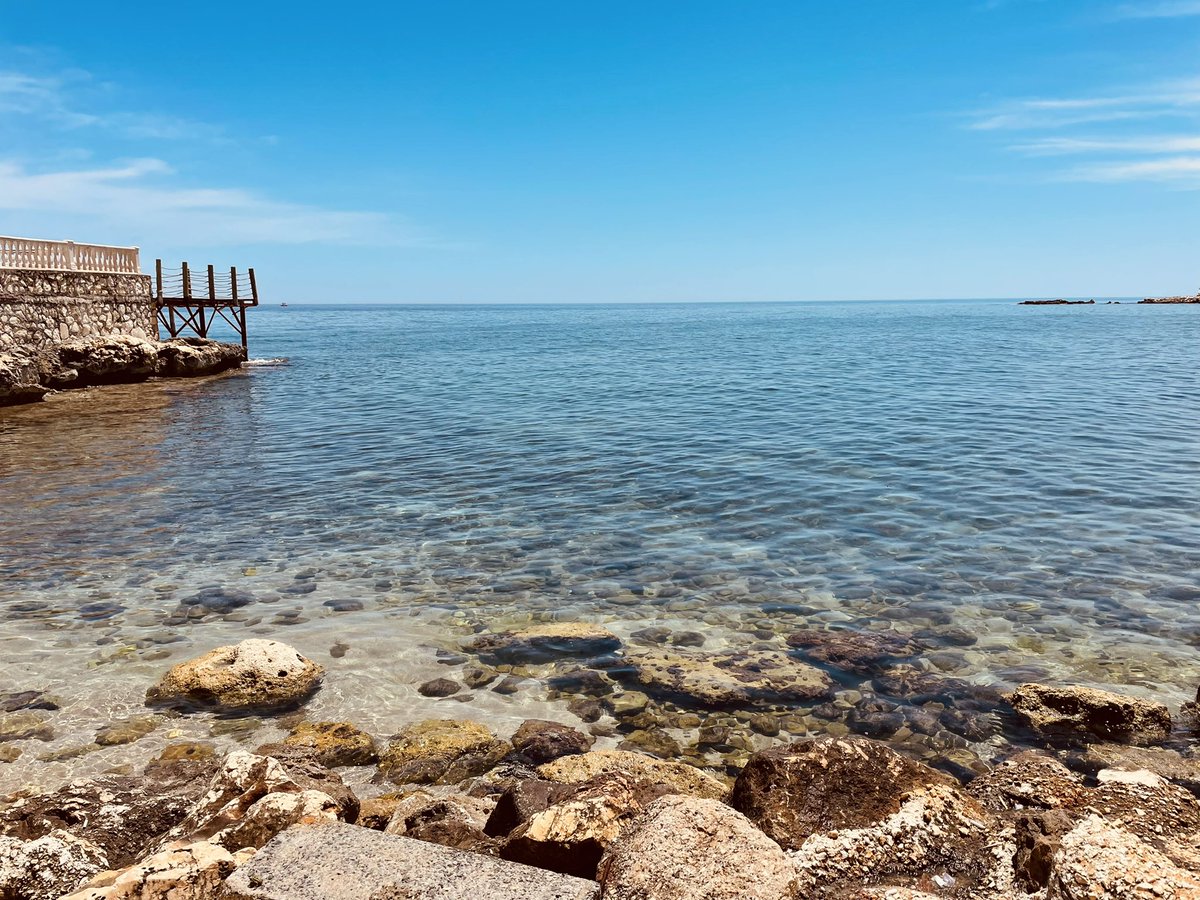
(67,256)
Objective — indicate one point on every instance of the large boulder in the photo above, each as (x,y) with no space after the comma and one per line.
(544,643)
(794,791)
(24,377)
(684,848)
(350,863)
(192,357)
(679,777)
(1090,714)
(441,751)
(731,679)
(250,800)
(112,359)
(253,675)
(1099,860)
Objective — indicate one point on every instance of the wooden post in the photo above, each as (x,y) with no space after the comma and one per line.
(253,288)
(241,307)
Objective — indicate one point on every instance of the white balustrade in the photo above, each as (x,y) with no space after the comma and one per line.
(67,256)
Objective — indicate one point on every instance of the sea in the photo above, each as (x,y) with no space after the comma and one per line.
(383,482)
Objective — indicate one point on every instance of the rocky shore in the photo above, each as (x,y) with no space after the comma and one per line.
(1104,805)
(28,375)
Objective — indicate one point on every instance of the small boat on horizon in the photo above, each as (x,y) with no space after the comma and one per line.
(283,304)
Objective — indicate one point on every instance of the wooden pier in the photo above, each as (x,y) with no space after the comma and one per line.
(191,299)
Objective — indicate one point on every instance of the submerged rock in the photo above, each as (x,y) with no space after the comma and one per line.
(540,741)
(794,791)
(544,643)
(439,687)
(858,652)
(25,725)
(729,679)
(441,751)
(127,730)
(679,777)
(685,848)
(253,675)
(1088,714)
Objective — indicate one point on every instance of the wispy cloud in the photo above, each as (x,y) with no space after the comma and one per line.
(1182,171)
(69,100)
(1054,127)
(1061,146)
(1171,99)
(1157,9)
(145,193)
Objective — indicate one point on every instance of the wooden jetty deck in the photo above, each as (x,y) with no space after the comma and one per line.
(188,298)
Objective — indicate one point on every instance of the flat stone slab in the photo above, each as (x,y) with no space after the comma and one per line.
(336,861)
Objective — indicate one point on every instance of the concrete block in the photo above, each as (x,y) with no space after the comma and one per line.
(336,861)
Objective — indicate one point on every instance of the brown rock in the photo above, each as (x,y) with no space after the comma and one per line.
(335,743)
(302,765)
(1088,714)
(1038,838)
(441,751)
(439,687)
(678,777)
(571,836)
(541,741)
(521,801)
(1028,780)
(794,791)
(254,674)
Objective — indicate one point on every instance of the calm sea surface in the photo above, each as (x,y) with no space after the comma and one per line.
(1030,475)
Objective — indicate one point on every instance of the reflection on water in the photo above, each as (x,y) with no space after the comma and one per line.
(1028,475)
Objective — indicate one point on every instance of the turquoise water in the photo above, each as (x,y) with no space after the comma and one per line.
(1029,474)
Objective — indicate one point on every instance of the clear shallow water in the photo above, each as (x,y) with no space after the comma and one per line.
(1030,474)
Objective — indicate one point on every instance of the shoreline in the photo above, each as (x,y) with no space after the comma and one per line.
(547,798)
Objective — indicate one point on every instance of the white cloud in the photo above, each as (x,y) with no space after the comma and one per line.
(1160,9)
(1182,171)
(1062,146)
(1051,128)
(142,196)
(1170,99)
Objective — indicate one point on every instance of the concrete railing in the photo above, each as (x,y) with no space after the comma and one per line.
(67,256)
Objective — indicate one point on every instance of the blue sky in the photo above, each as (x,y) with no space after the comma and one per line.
(570,151)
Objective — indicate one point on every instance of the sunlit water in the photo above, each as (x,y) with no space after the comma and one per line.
(1030,474)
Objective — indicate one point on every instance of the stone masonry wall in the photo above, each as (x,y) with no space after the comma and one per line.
(39,309)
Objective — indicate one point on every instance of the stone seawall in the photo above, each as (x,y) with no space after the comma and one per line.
(41,309)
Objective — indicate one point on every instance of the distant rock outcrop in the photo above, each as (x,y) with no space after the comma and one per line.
(28,375)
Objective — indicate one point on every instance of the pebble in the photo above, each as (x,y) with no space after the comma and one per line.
(439,687)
